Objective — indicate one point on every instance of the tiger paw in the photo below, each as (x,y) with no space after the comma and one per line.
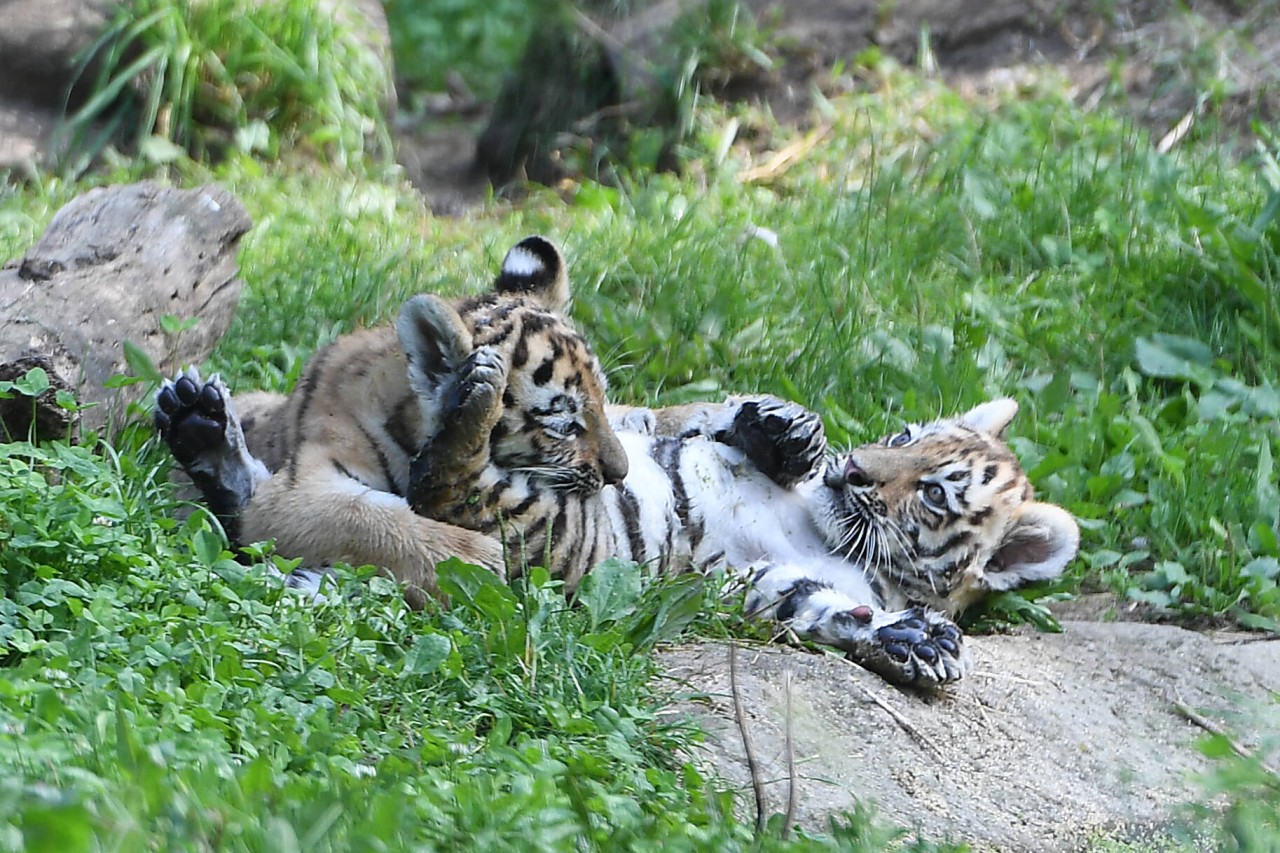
(784,440)
(199,424)
(480,383)
(191,416)
(635,419)
(916,647)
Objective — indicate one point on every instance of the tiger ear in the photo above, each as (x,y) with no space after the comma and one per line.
(1037,547)
(435,340)
(991,417)
(535,268)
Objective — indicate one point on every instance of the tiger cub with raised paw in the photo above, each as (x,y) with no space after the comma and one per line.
(324,471)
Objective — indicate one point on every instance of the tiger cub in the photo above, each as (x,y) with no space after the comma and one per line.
(324,471)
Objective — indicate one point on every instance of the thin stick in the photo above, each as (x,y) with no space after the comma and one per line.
(1004,676)
(789,747)
(739,714)
(1184,710)
(1177,132)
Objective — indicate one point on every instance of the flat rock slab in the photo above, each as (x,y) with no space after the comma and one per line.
(1056,739)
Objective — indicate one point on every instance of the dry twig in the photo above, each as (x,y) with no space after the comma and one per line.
(903,723)
(748,747)
(1188,713)
(785,158)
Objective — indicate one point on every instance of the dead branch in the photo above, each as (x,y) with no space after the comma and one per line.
(748,746)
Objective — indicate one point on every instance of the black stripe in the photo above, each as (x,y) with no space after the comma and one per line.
(799,594)
(520,355)
(524,506)
(397,426)
(667,452)
(496,335)
(305,394)
(342,469)
(629,506)
(558,526)
(989,473)
(954,540)
(543,374)
(387,474)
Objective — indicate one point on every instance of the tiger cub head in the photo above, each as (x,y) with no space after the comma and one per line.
(942,513)
(552,424)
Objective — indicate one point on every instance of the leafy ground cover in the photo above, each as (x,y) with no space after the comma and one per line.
(918,252)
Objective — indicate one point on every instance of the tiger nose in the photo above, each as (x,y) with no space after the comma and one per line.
(615,471)
(853,475)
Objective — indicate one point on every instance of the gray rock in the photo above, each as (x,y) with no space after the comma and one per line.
(1056,739)
(113,263)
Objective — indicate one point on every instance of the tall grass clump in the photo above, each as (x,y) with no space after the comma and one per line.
(218,76)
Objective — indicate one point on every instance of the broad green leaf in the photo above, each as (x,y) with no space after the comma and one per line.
(610,591)
(476,589)
(679,602)
(140,363)
(1163,356)
(33,383)
(426,654)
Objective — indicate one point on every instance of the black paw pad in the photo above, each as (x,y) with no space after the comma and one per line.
(187,391)
(783,440)
(190,417)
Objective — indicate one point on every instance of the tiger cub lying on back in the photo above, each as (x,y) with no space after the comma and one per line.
(866,552)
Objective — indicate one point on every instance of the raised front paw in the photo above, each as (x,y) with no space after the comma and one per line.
(914,647)
(480,382)
(784,440)
(191,416)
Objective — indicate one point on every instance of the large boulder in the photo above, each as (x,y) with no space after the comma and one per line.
(112,265)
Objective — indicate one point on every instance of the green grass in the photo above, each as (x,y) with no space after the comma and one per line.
(930,252)
(212,77)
